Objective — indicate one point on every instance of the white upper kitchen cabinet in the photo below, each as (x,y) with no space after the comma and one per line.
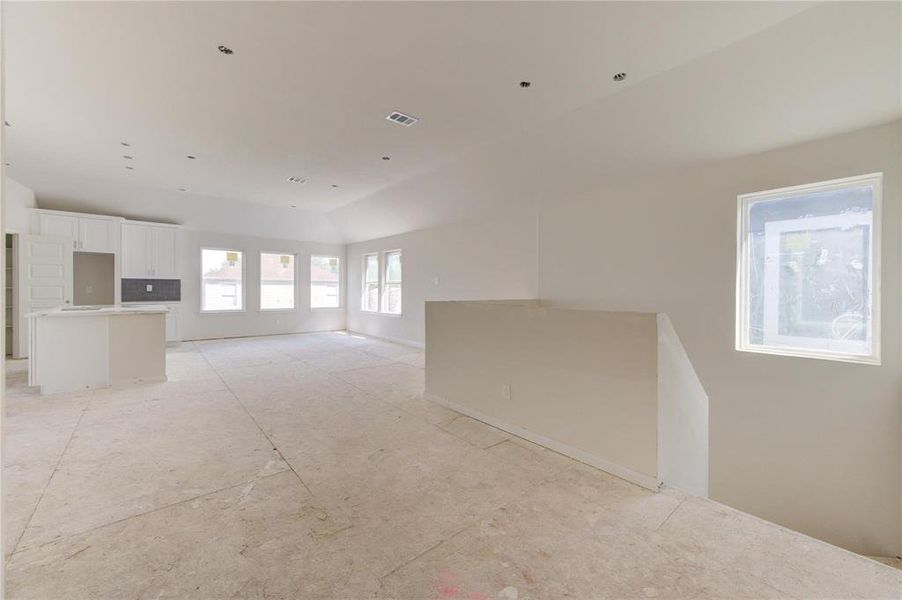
(163,249)
(98,235)
(56,225)
(89,233)
(149,251)
(135,251)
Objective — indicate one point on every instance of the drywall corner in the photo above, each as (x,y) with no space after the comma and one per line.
(17,202)
(682,416)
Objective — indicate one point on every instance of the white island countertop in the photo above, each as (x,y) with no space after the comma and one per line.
(97,311)
(73,348)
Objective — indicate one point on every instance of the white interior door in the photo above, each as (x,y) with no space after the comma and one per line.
(45,278)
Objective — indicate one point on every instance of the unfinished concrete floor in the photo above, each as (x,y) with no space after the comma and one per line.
(308,466)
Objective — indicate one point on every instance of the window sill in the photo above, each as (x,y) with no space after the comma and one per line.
(326,308)
(813,354)
(276,310)
(222,312)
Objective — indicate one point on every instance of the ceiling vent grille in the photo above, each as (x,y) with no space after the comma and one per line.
(297,179)
(402,119)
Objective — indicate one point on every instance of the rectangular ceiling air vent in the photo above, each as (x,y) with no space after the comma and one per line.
(401,118)
(297,179)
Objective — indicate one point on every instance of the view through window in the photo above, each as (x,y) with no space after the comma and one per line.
(391,293)
(276,281)
(370,293)
(325,282)
(222,285)
(807,270)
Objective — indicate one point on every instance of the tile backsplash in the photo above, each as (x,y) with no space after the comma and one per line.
(163,290)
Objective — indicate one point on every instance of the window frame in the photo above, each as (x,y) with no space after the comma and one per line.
(294,282)
(203,293)
(340,286)
(363,283)
(383,281)
(742,315)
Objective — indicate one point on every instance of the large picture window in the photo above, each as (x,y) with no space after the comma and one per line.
(222,280)
(277,289)
(325,282)
(808,273)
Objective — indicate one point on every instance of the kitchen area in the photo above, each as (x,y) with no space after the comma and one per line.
(92,299)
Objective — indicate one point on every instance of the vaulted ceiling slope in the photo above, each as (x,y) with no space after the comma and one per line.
(307,86)
(831,69)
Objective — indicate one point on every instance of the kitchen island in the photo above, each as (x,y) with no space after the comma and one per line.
(87,347)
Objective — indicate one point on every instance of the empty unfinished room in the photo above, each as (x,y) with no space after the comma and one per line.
(451,300)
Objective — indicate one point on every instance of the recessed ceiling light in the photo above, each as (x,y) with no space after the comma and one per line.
(525,84)
(335,185)
(293,206)
(129,168)
(126,144)
(6,164)
(7,123)
(619,76)
(401,118)
(225,50)
(297,179)
(386,158)
(127,157)
(182,190)
(191,156)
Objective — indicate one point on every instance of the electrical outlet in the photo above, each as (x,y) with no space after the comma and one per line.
(148,287)
(89,289)
(436,281)
(506,391)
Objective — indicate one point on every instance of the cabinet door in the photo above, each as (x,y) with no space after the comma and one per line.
(57,226)
(97,235)
(164,252)
(135,251)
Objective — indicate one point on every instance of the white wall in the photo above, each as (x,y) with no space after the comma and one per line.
(93,278)
(811,444)
(17,199)
(195,325)
(582,382)
(489,258)
(682,416)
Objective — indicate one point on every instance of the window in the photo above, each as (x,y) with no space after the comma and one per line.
(222,280)
(276,281)
(325,282)
(391,288)
(808,279)
(370,292)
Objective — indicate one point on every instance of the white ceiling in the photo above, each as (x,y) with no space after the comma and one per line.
(309,84)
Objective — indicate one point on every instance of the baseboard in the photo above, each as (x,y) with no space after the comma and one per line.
(647,481)
(395,340)
(254,335)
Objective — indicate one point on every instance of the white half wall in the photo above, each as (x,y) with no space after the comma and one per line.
(682,416)
(810,444)
(490,258)
(581,382)
(196,325)
(17,200)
